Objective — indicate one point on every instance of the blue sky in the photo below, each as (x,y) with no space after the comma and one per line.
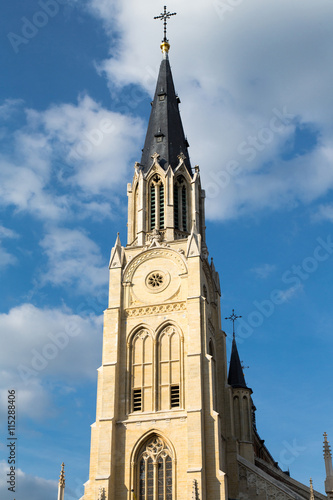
(254,79)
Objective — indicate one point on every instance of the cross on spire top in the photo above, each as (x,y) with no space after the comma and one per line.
(233,318)
(165,16)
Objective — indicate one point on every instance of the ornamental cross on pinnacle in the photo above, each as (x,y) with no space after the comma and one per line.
(165,16)
(233,318)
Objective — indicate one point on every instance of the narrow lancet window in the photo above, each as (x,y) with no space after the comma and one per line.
(161,206)
(152,207)
(180,204)
(184,209)
(175,205)
(156,203)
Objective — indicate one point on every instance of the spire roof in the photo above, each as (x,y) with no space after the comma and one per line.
(165,134)
(236,376)
(328,457)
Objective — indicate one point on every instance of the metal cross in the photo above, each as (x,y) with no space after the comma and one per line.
(233,318)
(165,16)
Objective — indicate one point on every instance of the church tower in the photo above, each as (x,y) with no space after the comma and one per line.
(163,404)
(170,423)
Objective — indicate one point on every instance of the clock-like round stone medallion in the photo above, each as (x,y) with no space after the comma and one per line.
(157,280)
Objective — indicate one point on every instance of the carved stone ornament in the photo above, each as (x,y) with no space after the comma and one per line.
(155,237)
(101,493)
(156,449)
(156,309)
(151,253)
(264,489)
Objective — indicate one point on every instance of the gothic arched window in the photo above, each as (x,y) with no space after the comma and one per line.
(180,204)
(135,212)
(156,203)
(155,471)
(211,352)
(142,372)
(169,374)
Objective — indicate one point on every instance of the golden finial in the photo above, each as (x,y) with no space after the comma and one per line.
(165,46)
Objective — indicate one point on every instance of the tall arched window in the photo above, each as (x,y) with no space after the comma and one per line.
(211,352)
(180,204)
(176,206)
(237,417)
(246,409)
(135,211)
(155,471)
(156,203)
(169,374)
(184,208)
(142,372)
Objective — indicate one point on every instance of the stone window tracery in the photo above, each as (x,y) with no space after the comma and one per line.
(155,467)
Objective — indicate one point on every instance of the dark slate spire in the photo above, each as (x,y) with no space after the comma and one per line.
(165,134)
(236,376)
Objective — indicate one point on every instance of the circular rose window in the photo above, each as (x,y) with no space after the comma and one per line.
(157,281)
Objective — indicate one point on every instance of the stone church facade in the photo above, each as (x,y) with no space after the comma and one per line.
(171,423)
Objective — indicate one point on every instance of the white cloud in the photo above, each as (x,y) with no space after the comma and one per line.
(63,156)
(289,293)
(324,212)
(47,346)
(6,259)
(26,190)
(73,259)
(233,72)
(8,107)
(96,144)
(264,270)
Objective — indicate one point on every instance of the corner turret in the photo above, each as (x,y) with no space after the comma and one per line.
(329,468)
(61,484)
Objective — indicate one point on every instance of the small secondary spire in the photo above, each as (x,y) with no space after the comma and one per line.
(329,468)
(312,497)
(165,46)
(61,485)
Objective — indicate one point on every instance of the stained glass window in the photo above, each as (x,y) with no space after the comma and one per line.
(155,471)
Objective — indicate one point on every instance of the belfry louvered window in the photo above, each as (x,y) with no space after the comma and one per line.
(152,206)
(176,207)
(161,206)
(169,375)
(184,209)
(180,204)
(156,203)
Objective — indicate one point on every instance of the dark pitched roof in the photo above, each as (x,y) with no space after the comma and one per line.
(236,376)
(165,134)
